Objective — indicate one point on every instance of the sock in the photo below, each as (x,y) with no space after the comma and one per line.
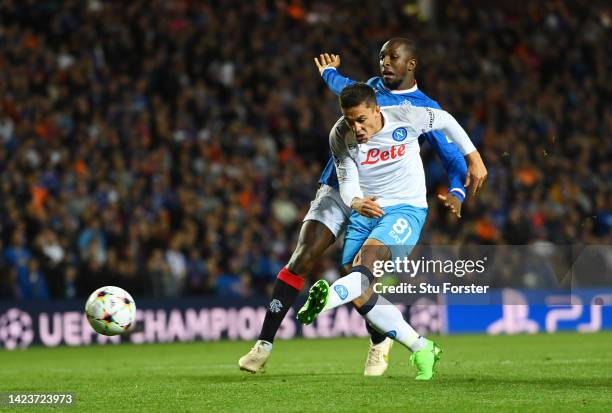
(346,289)
(375,336)
(388,319)
(286,290)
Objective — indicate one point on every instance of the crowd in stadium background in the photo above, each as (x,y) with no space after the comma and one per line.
(172,149)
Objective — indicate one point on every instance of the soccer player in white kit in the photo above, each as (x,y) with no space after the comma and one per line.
(381,177)
(328,216)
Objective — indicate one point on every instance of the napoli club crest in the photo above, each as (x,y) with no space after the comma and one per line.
(400,134)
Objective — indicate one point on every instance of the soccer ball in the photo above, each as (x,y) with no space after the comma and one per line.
(110,310)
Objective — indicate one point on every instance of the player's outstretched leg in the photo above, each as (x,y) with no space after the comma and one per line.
(314,239)
(286,290)
(386,318)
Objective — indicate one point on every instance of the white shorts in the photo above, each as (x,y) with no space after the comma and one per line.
(328,209)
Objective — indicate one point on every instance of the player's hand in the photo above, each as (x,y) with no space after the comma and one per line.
(476,172)
(451,202)
(326,60)
(367,207)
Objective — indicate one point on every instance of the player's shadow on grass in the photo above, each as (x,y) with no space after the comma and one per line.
(556,383)
(233,377)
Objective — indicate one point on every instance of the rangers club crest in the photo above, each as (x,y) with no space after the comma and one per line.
(275,306)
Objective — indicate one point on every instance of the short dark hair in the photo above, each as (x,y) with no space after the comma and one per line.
(408,42)
(356,94)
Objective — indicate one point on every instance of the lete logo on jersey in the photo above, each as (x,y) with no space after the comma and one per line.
(400,134)
(375,155)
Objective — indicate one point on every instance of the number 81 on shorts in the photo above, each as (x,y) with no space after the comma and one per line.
(400,231)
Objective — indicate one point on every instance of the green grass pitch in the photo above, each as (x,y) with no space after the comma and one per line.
(559,372)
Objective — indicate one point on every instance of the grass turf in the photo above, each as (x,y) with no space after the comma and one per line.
(560,372)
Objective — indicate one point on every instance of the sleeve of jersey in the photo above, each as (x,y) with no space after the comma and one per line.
(428,119)
(346,168)
(453,161)
(335,81)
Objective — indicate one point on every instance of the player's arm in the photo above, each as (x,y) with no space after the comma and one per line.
(429,119)
(328,65)
(456,169)
(348,175)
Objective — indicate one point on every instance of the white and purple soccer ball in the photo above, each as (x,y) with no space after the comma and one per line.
(110,311)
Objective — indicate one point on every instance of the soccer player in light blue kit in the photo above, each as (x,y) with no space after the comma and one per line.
(390,92)
(376,153)
(328,216)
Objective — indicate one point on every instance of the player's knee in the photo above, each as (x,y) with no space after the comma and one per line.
(302,260)
(371,252)
(360,301)
(365,302)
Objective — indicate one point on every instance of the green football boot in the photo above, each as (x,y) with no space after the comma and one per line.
(425,361)
(317,298)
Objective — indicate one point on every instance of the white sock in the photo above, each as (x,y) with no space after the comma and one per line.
(346,289)
(388,319)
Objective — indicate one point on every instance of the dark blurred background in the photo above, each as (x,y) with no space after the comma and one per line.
(172,147)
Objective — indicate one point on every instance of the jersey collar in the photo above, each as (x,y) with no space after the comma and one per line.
(401,92)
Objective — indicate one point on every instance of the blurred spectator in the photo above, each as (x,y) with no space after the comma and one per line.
(177,263)
(162,146)
(53,261)
(233,283)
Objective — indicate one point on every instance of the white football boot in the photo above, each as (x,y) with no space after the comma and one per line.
(378,358)
(256,358)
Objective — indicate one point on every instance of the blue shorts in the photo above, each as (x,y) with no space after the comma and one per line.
(399,229)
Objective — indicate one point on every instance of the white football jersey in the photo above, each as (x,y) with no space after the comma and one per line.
(389,165)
